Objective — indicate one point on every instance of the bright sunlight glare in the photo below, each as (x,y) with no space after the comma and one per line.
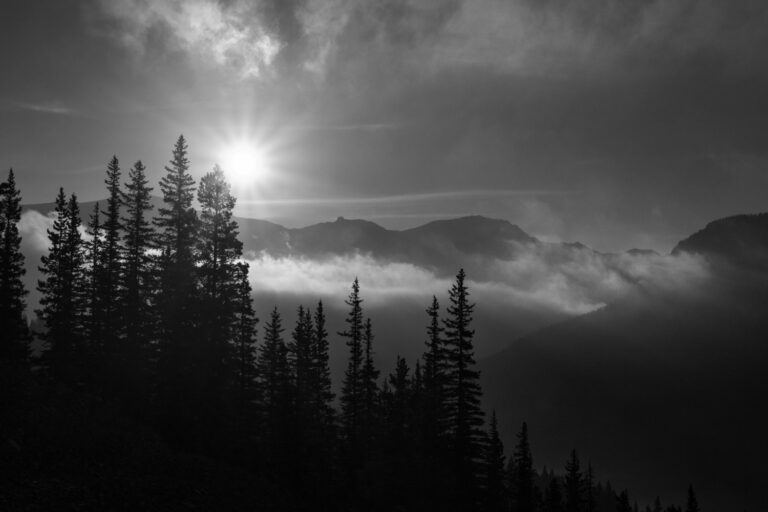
(244,163)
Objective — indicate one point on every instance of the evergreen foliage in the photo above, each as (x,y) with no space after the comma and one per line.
(622,502)
(522,474)
(462,391)
(111,269)
(352,390)
(692,504)
(218,250)
(175,239)
(140,320)
(574,484)
(495,490)
(62,292)
(13,324)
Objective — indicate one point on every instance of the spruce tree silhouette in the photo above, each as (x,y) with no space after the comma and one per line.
(218,250)
(176,298)
(111,270)
(495,491)
(322,386)
(13,324)
(94,325)
(622,502)
(140,318)
(574,484)
(245,338)
(352,387)
(274,391)
(62,293)
(369,413)
(464,415)
(522,474)
(692,504)
(553,498)
(590,501)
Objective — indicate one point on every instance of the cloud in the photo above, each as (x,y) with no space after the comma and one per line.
(231,36)
(33,227)
(409,198)
(541,277)
(369,39)
(54,108)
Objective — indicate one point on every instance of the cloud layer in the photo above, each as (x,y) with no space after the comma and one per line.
(518,36)
(233,36)
(542,277)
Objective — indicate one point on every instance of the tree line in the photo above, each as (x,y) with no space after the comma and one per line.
(153,310)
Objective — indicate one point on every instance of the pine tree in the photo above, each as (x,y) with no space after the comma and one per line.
(176,274)
(369,376)
(494,469)
(590,501)
(435,366)
(138,280)
(301,366)
(574,484)
(522,477)
(657,507)
(112,266)
(245,336)
(272,371)
(398,384)
(553,498)
(61,302)
(13,325)
(218,250)
(622,502)
(463,393)
(352,387)
(322,384)
(692,504)
(94,321)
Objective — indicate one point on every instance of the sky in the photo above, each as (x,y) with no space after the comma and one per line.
(616,124)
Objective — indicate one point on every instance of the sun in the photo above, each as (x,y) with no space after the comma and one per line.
(244,163)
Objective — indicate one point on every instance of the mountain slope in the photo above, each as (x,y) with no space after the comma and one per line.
(659,389)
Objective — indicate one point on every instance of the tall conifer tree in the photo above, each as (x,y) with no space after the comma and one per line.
(94,321)
(692,504)
(61,303)
(218,250)
(112,266)
(138,280)
(369,377)
(622,502)
(495,492)
(274,386)
(553,497)
(522,477)
(352,388)
(322,373)
(176,272)
(301,364)
(13,325)
(435,366)
(463,393)
(574,484)
(245,336)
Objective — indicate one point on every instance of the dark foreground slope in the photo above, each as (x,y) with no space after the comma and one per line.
(65,449)
(661,389)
